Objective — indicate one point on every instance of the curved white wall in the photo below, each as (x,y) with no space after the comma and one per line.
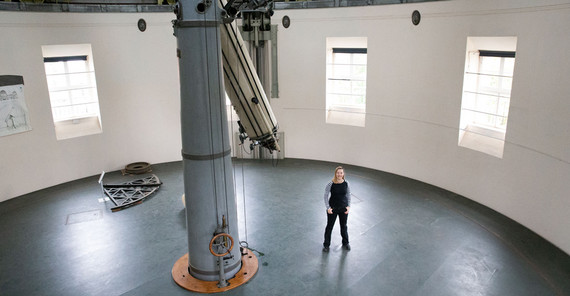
(415,76)
(414,89)
(137,81)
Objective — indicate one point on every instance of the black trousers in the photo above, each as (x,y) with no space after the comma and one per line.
(331,219)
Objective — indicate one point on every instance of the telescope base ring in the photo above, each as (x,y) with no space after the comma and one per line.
(182,277)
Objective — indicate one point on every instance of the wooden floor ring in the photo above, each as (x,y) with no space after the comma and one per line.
(182,277)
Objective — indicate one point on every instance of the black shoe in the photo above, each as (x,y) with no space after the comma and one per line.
(346,247)
(325,249)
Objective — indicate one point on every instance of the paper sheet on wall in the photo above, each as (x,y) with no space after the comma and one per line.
(14,117)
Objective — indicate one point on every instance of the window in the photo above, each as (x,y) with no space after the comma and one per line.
(72,89)
(346,81)
(486,97)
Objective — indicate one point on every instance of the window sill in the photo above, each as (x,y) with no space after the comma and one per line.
(78,127)
(488,141)
(346,116)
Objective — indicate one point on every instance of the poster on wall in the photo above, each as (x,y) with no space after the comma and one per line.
(14,117)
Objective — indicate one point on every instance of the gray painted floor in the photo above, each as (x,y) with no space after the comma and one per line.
(407,238)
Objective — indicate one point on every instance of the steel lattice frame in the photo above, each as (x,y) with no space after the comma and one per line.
(131,193)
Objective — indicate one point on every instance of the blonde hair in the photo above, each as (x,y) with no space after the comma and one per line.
(335,170)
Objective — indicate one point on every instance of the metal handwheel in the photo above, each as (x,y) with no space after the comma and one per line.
(222,244)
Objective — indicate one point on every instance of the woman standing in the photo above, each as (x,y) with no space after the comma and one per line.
(337,203)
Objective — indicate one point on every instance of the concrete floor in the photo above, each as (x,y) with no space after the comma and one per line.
(407,238)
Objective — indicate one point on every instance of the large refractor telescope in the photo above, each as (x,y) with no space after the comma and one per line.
(242,83)
(210,51)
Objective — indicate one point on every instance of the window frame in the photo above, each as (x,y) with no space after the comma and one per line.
(344,90)
(495,93)
(73,89)
(484,94)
